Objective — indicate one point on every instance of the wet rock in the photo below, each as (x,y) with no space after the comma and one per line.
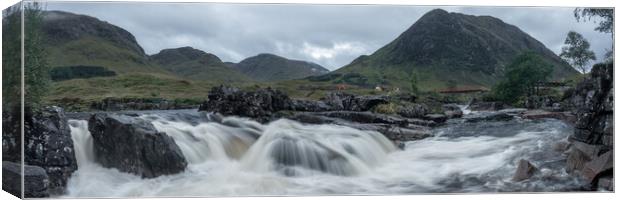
(133,145)
(48,144)
(561,146)
(525,170)
(492,117)
(35,180)
(412,111)
(369,118)
(350,102)
(550,103)
(259,104)
(437,118)
(452,111)
(598,166)
(309,106)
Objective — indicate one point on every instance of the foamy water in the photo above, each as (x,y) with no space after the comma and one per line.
(240,157)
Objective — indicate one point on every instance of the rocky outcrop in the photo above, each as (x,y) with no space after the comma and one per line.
(35,180)
(260,104)
(350,102)
(47,144)
(592,141)
(133,145)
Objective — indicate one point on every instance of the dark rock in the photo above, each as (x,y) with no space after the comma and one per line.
(492,117)
(368,117)
(309,106)
(561,146)
(48,144)
(550,103)
(133,145)
(412,111)
(350,102)
(452,111)
(35,180)
(525,170)
(259,104)
(437,118)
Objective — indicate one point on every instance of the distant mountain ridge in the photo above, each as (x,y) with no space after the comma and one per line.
(269,67)
(441,47)
(196,64)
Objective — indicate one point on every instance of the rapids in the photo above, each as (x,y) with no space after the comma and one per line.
(231,156)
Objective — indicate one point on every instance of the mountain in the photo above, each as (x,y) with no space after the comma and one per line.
(269,67)
(80,40)
(444,47)
(196,64)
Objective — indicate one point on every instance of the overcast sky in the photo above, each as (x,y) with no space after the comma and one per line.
(330,35)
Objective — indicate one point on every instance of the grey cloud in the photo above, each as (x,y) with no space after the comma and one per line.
(330,35)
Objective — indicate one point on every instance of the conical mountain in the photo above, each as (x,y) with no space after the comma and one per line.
(444,47)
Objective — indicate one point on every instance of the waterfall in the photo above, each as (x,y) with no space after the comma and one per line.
(232,156)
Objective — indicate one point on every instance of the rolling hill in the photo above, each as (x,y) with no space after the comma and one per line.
(195,64)
(269,67)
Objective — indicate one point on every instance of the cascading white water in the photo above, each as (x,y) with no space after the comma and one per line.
(239,157)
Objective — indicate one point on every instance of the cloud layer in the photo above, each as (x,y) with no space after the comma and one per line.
(330,35)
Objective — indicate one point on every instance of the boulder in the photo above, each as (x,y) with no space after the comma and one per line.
(35,180)
(133,145)
(525,170)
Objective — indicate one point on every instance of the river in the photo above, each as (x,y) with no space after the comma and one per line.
(241,157)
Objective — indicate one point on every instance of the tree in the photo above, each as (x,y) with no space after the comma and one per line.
(606,25)
(577,51)
(36,69)
(522,78)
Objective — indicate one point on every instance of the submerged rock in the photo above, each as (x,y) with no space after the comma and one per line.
(133,145)
(437,118)
(525,170)
(476,105)
(35,179)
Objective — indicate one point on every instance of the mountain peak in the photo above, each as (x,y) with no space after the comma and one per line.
(455,46)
